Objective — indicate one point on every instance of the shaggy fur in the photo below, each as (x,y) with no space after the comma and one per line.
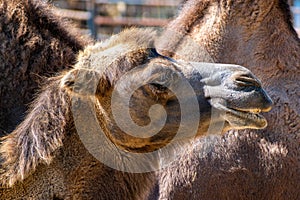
(34,43)
(242,164)
(43,158)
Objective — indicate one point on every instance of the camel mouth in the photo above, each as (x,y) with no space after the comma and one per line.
(244,118)
(247,119)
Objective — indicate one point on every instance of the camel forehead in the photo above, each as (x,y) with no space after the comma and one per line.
(121,46)
(133,38)
(98,60)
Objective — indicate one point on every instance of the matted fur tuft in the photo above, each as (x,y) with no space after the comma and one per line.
(37,137)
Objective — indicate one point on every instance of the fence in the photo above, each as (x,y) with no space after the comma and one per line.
(101,18)
(104,17)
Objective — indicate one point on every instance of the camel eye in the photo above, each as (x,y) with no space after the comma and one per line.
(162,79)
(158,87)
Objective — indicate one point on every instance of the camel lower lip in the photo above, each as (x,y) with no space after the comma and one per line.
(246,119)
(241,119)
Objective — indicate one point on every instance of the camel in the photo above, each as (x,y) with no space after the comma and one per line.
(262,164)
(48,156)
(34,44)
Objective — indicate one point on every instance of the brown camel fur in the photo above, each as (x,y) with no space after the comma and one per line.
(262,164)
(45,158)
(34,43)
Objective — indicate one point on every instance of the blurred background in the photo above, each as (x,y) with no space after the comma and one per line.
(102,18)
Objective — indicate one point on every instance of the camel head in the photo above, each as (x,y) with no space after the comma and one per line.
(143,100)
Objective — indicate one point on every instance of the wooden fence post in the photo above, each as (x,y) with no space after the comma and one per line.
(91,7)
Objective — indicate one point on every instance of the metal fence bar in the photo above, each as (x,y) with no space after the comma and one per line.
(114,21)
(173,3)
(73,14)
(122,21)
(91,7)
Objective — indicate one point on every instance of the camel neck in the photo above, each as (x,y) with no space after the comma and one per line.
(268,45)
(268,48)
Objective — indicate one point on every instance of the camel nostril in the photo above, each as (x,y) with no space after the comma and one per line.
(246,80)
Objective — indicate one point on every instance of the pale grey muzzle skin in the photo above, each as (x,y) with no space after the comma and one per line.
(235,94)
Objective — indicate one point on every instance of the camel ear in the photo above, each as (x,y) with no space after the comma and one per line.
(85,82)
(68,79)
